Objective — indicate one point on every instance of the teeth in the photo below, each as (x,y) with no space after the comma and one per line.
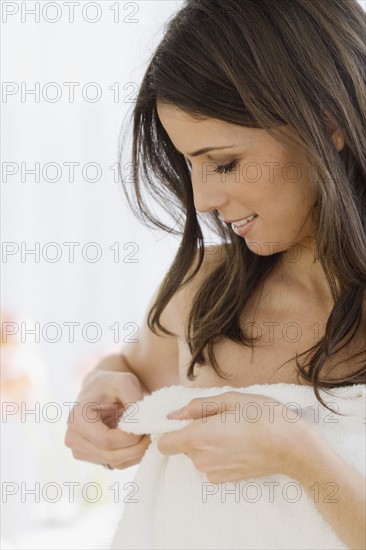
(244,221)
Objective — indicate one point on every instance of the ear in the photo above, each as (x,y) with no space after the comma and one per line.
(338,139)
(334,132)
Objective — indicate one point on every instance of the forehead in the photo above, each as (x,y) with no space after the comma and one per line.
(171,115)
(188,133)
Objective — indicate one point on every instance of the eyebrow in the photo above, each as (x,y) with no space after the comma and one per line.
(206,149)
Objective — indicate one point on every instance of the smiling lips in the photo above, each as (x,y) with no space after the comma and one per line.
(243,227)
(244,221)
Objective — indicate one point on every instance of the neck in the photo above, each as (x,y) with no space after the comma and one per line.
(299,271)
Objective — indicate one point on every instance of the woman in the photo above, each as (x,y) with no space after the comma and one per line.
(253,115)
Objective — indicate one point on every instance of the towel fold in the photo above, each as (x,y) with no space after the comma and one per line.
(176,507)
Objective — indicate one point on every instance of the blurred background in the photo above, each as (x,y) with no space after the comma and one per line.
(78,269)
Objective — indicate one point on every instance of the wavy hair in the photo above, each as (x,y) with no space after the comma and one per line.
(271,65)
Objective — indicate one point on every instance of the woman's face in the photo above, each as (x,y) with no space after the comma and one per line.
(269,180)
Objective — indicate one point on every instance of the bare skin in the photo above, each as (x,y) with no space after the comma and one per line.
(295,296)
(288,311)
(287,322)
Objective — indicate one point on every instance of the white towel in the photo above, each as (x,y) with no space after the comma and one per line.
(178,508)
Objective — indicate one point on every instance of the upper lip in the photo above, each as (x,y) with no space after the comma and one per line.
(238,220)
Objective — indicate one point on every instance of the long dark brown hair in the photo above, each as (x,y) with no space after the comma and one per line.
(260,64)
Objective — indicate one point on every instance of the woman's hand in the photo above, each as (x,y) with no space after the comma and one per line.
(236,436)
(92,432)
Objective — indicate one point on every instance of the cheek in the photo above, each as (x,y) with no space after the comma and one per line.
(276,185)
(282,196)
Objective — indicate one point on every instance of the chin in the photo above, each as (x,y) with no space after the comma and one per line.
(265,248)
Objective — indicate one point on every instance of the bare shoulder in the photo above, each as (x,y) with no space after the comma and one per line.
(155,357)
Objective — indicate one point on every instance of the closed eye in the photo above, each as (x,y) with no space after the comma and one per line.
(221,168)
(225,168)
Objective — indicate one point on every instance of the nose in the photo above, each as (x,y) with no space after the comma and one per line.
(207,195)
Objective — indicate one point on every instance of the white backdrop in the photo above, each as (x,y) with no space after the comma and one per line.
(102,48)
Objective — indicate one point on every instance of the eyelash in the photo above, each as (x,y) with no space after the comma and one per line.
(223,168)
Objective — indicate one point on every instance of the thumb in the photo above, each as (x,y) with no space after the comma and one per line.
(198,407)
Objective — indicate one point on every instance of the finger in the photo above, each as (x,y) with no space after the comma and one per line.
(99,434)
(172,443)
(113,457)
(87,458)
(106,442)
(77,443)
(200,407)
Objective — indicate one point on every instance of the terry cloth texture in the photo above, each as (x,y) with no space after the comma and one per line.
(176,507)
